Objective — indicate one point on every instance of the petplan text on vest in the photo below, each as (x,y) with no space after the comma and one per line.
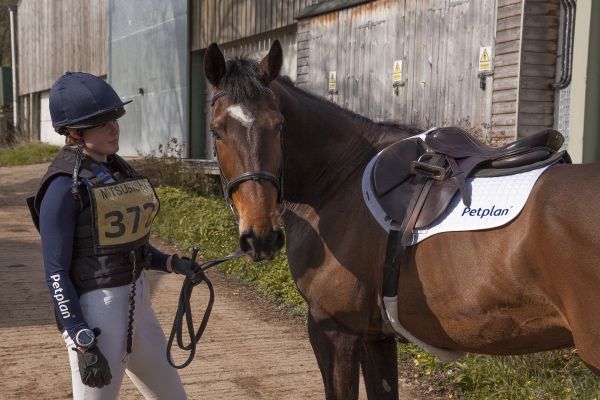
(59,297)
(484,212)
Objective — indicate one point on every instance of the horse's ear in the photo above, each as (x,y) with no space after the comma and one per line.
(214,64)
(271,64)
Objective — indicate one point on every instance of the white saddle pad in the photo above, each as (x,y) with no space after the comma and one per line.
(494,202)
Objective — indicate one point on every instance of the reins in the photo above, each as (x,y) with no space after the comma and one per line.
(184,309)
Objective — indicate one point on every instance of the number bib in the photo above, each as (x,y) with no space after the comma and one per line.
(123,212)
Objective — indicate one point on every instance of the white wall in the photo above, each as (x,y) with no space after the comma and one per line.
(47,134)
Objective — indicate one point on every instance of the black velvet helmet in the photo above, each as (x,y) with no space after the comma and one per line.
(79,100)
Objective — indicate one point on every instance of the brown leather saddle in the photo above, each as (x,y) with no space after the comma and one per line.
(415,180)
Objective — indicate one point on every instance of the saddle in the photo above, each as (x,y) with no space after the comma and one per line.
(415,180)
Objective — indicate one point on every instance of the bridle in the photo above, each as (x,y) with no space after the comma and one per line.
(229,185)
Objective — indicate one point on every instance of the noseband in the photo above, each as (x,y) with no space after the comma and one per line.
(230,185)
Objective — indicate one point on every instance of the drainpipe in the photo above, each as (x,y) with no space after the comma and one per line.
(13,48)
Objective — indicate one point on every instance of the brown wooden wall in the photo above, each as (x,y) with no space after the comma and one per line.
(223,21)
(55,36)
(438,42)
(538,66)
(506,70)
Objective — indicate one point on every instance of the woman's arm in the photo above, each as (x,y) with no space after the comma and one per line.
(58,217)
(160,261)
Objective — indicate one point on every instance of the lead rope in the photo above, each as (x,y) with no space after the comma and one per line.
(131,310)
(184,309)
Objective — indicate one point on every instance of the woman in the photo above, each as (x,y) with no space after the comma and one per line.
(94,214)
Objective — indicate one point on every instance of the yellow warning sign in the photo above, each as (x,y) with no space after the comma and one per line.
(332,81)
(485,59)
(397,71)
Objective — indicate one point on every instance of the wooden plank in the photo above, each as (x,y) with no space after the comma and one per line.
(536,119)
(541,21)
(507,47)
(504,107)
(506,71)
(535,33)
(535,82)
(504,131)
(510,11)
(504,3)
(548,71)
(509,23)
(539,107)
(506,59)
(527,130)
(541,46)
(543,8)
(504,119)
(508,35)
(504,95)
(539,58)
(506,83)
(536,95)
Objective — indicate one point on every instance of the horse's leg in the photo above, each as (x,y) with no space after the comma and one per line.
(338,351)
(379,363)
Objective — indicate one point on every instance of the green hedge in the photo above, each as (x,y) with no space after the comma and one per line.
(29,153)
(187,219)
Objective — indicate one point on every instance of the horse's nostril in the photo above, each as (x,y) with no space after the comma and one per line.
(248,242)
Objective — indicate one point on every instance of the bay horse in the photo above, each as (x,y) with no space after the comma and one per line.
(529,286)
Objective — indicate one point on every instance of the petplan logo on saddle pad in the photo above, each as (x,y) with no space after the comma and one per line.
(484,212)
(495,201)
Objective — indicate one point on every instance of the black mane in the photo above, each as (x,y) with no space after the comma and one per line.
(243,80)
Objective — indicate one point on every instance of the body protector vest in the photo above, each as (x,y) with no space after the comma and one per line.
(113,223)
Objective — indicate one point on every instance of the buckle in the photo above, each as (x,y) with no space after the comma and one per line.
(428,170)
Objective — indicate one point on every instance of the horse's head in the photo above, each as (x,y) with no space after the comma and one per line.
(246,126)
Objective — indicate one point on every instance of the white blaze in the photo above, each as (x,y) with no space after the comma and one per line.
(240,113)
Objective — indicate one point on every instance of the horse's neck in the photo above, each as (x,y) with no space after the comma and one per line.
(324,146)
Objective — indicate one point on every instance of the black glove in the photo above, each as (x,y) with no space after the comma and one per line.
(93,367)
(185,266)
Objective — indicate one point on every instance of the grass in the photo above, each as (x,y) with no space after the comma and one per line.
(28,153)
(558,375)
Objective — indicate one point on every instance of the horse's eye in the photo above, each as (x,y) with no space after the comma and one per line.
(279,127)
(215,134)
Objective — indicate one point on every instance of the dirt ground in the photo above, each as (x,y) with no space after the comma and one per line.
(250,350)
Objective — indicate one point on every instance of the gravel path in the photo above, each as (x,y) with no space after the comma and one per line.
(250,350)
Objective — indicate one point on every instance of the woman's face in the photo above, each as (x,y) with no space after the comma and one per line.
(102,141)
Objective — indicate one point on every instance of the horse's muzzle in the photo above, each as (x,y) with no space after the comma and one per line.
(261,247)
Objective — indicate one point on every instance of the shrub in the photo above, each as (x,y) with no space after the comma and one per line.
(27,153)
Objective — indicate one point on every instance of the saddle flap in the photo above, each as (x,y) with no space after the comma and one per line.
(393,165)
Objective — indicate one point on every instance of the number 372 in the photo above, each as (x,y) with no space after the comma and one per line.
(115,218)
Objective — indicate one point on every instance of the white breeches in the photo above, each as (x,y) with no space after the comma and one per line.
(147,365)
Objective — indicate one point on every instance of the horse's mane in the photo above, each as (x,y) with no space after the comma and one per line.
(243,82)
(287,82)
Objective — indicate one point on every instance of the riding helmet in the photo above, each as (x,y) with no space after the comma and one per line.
(80,100)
